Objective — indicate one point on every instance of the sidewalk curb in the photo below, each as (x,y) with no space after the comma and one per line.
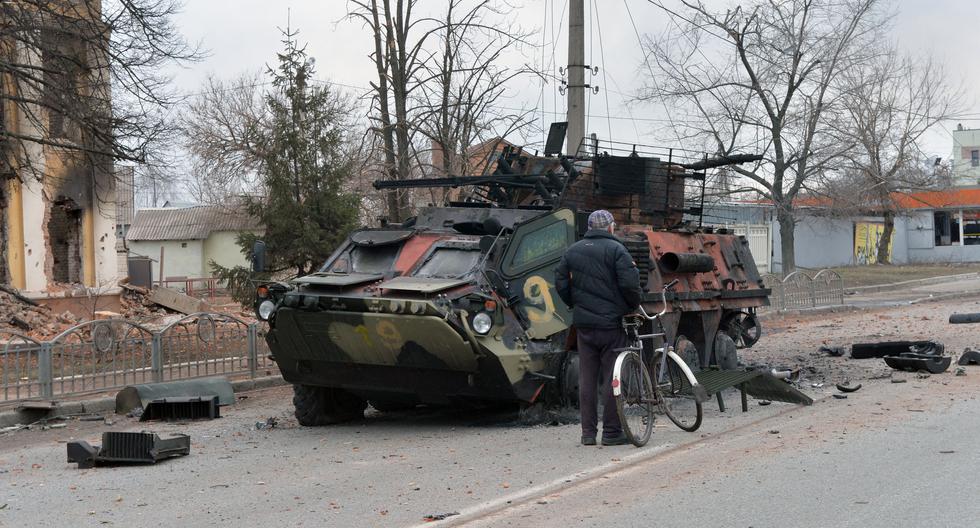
(878,288)
(107,404)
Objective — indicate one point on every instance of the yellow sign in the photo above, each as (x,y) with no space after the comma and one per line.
(867,237)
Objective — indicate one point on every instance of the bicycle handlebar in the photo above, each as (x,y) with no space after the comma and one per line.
(663,300)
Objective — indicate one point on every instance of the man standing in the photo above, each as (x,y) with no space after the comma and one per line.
(598,279)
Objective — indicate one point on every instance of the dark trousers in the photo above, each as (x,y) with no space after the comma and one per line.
(596,359)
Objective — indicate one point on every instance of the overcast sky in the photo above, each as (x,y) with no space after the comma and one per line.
(243,35)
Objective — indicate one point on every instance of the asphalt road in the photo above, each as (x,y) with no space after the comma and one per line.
(873,457)
(892,460)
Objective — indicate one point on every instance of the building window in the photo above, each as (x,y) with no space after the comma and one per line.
(183,244)
(947,228)
(975,158)
(971,228)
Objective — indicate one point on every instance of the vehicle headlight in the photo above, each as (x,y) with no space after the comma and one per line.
(265,309)
(482,323)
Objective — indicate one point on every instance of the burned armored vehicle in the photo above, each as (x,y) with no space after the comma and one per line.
(458,304)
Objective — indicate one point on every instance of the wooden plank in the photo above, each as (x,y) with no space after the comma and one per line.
(175,300)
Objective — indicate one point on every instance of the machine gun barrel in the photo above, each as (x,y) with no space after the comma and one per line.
(721,161)
(515,180)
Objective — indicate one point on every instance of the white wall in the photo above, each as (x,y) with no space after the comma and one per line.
(819,242)
(178,261)
(221,247)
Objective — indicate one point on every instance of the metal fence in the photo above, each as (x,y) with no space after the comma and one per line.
(112,353)
(799,290)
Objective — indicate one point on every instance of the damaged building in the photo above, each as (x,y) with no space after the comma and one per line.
(57,193)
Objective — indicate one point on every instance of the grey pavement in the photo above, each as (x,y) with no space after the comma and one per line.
(902,461)
(389,470)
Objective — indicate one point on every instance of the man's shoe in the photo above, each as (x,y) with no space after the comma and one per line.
(588,440)
(615,441)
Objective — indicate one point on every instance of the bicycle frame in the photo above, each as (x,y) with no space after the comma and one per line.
(636,347)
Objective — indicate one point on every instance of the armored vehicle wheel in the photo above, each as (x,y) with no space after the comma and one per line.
(743,327)
(325,405)
(725,351)
(688,352)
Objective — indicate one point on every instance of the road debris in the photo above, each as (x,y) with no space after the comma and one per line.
(899,380)
(934,364)
(181,408)
(128,447)
(834,351)
(134,396)
(960,371)
(969,357)
(847,387)
(764,402)
(895,348)
(438,516)
(840,396)
(269,423)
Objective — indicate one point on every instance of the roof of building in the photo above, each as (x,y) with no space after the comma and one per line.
(190,223)
(945,199)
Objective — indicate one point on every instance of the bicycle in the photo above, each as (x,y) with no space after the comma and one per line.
(676,393)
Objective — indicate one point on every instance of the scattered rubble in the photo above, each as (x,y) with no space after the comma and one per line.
(846,387)
(24,316)
(438,516)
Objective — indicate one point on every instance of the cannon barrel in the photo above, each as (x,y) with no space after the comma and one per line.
(686,262)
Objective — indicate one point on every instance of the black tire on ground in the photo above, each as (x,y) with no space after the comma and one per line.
(325,405)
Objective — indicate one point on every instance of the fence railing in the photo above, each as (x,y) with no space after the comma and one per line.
(800,290)
(201,287)
(112,353)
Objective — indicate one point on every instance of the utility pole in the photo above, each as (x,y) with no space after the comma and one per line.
(576,76)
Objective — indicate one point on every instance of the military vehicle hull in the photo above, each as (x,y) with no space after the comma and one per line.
(459,304)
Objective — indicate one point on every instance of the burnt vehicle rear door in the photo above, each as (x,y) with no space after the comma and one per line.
(528,264)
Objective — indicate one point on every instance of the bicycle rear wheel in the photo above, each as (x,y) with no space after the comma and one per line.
(636,400)
(675,398)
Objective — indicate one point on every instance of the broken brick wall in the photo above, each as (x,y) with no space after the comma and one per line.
(64,237)
(4,271)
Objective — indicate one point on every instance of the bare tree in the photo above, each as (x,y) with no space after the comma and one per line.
(222,128)
(439,78)
(60,60)
(463,83)
(890,104)
(774,93)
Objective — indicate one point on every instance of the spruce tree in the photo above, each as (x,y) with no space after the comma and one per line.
(303,203)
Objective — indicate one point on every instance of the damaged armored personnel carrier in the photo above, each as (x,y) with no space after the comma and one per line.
(458,305)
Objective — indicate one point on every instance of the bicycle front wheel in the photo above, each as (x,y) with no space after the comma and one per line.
(635,401)
(675,397)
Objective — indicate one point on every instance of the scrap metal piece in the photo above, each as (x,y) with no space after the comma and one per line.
(895,348)
(969,357)
(128,447)
(181,408)
(964,318)
(916,362)
(135,396)
(82,453)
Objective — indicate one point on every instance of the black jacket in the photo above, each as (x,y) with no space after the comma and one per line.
(598,279)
